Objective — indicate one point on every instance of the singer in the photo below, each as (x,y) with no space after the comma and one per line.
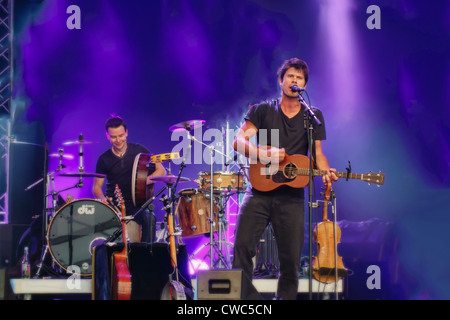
(117,164)
(283,207)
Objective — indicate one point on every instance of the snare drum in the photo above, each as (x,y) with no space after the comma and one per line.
(223,181)
(76,229)
(193,213)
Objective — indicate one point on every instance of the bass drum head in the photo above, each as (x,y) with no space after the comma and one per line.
(76,229)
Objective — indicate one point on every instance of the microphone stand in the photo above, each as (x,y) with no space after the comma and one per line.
(310,118)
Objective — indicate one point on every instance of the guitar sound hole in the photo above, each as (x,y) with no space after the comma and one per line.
(290,171)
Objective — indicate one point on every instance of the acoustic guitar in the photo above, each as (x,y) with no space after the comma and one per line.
(121,276)
(293,171)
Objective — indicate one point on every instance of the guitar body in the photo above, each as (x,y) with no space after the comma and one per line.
(121,284)
(293,171)
(120,275)
(268,177)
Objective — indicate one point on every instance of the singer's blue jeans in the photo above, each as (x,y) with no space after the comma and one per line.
(285,210)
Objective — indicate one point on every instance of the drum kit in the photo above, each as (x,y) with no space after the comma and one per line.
(73,229)
(201,211)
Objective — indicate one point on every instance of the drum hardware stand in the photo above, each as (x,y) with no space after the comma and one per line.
(217,245)
(49,176)
(213,244)
(172,197)
(267,266)
(147,204)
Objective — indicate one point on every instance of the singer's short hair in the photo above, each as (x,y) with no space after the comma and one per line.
(115,122)
(294,63)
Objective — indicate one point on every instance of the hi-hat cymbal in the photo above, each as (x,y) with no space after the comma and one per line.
(82,174)
(65,156)
(69,143)
(187,125)
(169,179)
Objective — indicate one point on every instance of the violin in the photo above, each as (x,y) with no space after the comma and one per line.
(121,276)
(328,266)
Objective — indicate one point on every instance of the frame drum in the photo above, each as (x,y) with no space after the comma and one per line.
(142,168)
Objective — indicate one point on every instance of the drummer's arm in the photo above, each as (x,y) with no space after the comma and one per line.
(159,171)
(97,189)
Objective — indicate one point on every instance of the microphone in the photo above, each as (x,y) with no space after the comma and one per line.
(297,89)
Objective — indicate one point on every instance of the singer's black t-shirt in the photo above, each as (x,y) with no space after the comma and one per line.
(270,121)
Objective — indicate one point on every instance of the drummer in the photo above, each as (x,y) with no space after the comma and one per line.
(117,165)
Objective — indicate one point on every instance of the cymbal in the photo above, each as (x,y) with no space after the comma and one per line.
(187,125)
(69,143)
(65,156)
(82,174)
(169,179)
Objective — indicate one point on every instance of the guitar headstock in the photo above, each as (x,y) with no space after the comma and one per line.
(119,199)
(371,177)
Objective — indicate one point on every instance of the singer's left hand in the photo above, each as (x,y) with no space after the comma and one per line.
(330,176)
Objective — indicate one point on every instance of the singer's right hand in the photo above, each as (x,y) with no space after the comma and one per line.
(271,154)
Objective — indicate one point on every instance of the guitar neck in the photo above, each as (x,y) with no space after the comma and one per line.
(319,173)
(293,172)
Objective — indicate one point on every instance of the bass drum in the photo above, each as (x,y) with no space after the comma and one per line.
(76,229)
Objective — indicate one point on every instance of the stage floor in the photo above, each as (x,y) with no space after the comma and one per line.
(84,286)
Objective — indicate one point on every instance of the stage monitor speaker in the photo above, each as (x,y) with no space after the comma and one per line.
(225,285)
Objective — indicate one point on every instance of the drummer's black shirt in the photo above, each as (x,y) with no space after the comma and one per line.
(118,170)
